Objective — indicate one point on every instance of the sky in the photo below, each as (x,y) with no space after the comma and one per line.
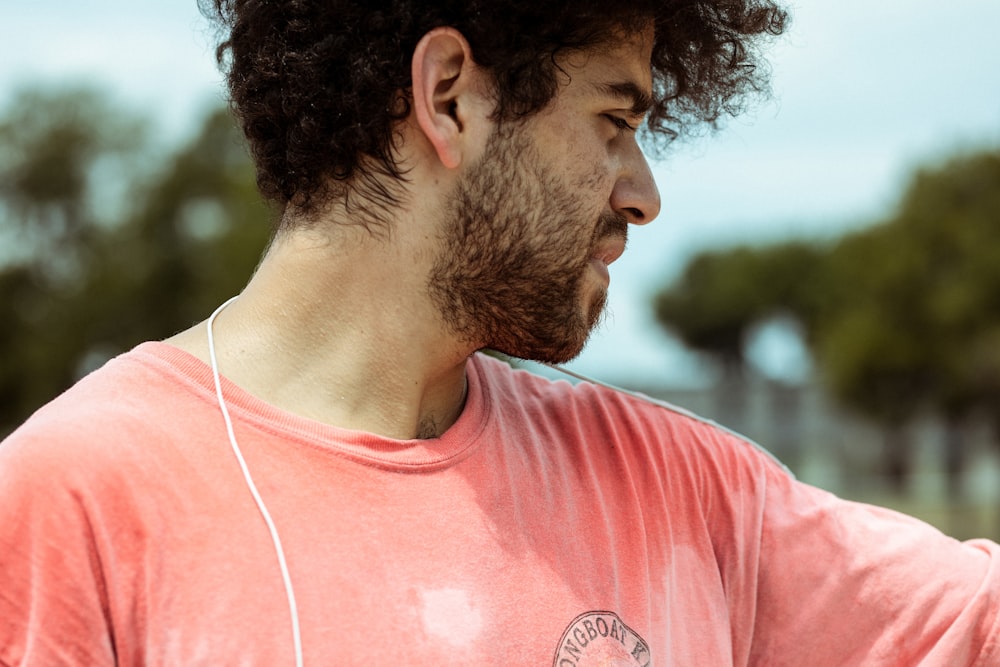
(864,91)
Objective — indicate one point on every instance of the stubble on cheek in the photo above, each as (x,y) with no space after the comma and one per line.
(516,250)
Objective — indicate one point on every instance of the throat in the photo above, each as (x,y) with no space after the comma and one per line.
(428,428)
(442,414)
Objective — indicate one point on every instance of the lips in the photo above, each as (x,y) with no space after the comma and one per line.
(610,235)
(609,249)
(606,252)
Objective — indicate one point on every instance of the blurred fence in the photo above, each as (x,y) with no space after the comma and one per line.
(834,450)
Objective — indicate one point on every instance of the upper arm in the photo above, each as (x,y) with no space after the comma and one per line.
(53,606)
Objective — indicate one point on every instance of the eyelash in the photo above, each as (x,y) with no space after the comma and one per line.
(620,123)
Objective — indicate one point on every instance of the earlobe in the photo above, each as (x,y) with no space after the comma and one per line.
(443,75)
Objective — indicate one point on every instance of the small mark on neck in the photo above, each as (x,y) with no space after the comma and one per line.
(427,429)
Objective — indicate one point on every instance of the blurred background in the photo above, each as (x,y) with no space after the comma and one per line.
(824,276)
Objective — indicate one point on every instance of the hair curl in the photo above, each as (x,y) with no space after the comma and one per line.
(317,86)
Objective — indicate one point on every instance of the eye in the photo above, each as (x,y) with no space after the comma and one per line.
(620,123)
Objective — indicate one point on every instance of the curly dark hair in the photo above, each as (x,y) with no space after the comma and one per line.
(318,86)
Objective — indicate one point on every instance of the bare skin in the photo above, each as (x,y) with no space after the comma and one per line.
(337,324)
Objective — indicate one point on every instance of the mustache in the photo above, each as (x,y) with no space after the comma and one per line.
(611,224)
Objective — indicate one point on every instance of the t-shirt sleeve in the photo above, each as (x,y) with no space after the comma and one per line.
(53,609)
(844,583)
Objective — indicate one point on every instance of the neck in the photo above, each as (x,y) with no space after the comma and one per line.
(340,330)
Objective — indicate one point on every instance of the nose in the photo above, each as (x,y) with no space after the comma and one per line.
(635,194)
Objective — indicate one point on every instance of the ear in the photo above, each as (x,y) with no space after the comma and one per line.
(447,92)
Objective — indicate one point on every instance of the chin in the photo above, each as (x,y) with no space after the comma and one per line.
(596,311)
(557,334)
(572,343)
(548,350)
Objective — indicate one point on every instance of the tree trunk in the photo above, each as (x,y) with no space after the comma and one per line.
(955,456)
(897,458)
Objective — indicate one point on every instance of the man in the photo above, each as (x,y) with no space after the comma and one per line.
(327,472)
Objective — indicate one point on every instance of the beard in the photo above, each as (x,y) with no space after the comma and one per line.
(515,255)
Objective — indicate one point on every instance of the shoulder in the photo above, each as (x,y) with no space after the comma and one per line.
(104,419)
(650,432)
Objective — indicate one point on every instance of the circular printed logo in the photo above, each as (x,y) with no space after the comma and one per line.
(600,639)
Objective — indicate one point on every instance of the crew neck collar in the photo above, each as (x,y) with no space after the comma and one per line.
(367,448)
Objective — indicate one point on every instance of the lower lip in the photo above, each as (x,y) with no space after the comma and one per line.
(601,268)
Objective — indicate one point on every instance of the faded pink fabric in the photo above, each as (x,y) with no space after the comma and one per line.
(551,525)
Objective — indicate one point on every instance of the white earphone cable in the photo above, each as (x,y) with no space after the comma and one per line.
(253,488)
(267,516)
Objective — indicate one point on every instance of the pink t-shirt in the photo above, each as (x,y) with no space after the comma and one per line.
(551,525)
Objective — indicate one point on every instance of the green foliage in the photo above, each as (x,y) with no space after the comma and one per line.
(721,295)
(107,243)
(713,303)
(901,316)
(928,282)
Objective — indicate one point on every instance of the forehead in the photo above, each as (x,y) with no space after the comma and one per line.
(622,58)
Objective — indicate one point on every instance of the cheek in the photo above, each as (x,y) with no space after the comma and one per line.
(591,186)
(589,169)
(579,151)
(597,181)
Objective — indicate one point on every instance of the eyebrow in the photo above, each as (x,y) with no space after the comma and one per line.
(629,92)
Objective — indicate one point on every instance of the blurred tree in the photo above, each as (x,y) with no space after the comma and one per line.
(722,295)
(866,339)
(952,215)
(106,243)
(53,146)
(713,305)
(193,241)
(920,328)
(902,317)
(711,309)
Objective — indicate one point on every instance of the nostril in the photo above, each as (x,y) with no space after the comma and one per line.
(635,214)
